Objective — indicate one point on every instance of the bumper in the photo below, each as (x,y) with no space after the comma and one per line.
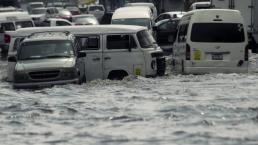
(43,84)
(205,70)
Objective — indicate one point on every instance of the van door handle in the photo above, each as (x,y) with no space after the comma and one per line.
(107,58)
(96,59)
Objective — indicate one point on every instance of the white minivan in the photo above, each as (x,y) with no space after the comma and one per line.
(113,51)
(10,21)
(211,41)
(140,15)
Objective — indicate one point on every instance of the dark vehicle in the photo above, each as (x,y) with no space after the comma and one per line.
(8,3)
(165,32)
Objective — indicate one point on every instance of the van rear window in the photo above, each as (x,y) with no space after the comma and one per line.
(8,26)
(218,32)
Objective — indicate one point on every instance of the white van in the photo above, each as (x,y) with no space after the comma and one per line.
(150,5)
(140,15)
(10,21)
(113,51)
(200,5)
(210,41)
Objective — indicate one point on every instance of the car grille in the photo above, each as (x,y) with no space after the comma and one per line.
(43,75)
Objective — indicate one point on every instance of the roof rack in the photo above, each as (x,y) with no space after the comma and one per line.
(49,32)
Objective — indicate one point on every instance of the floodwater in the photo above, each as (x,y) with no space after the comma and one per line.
(212,109)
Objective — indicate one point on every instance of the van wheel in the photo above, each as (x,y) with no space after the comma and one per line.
(117,75)
(161,66)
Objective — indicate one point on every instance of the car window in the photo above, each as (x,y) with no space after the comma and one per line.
(182,33)
(168,26)
(120,42)
(62,23)
(89,42)
(96,8)
(8,26)
(166,17)
(24,24)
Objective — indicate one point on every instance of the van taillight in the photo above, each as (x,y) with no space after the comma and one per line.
(7,38)
(188,52)
(246,52)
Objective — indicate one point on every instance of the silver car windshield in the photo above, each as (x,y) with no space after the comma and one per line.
(45,49)
(133,21)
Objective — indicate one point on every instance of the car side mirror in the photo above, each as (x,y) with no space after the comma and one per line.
(12,59)
(81,54)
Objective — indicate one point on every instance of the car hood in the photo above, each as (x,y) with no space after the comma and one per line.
(45,63)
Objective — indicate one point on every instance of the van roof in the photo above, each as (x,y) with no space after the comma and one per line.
(13,16)
(88,29)
(209,15)
(132,12)
(38,36)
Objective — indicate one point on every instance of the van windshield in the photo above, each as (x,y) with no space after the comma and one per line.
(146,40)
(133,21)
(218,32)
(45,49)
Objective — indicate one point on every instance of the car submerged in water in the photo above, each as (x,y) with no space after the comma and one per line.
(46,59)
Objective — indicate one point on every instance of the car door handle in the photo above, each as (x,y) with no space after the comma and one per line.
(96,59)
(107,58)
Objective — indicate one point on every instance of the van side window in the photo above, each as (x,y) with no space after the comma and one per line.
(182,33)
(89,42)
(120,42)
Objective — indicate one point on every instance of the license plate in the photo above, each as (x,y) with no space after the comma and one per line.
(217,57)
(197,55)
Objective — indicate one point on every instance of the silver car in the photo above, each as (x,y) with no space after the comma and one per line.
(47,59)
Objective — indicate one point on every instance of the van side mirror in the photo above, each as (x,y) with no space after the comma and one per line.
(12,59)
(81,54)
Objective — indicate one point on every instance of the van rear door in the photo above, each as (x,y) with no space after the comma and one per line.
(218,43)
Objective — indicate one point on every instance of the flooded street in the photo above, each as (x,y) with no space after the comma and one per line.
(212,109)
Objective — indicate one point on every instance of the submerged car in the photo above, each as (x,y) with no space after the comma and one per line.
(46,59)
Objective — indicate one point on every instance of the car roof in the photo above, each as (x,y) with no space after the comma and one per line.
(16,15)
(132,12)
(140,4)
(83,15)
(88,29)
(31,3)
(165,20)
(208,15)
